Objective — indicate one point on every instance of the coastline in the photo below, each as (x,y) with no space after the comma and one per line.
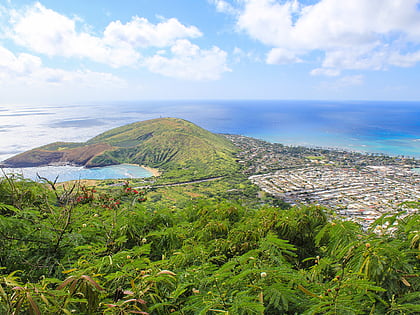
(155,172)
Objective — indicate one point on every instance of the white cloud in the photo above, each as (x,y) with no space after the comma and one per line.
(28,70)
(224,7)
(278,56)
(267,21)
(47,32)
(407,60)
(139,32)
(356,58)
(184,48)
(22,64)
(364,59)
(190,62)
(355,34)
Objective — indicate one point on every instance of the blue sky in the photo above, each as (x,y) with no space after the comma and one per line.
(99,50)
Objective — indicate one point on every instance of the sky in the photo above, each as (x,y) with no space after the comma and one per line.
(101,50)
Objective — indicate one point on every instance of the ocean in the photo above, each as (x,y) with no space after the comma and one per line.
(391,128)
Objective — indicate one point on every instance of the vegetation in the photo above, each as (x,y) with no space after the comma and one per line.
(201,239)
(121,250)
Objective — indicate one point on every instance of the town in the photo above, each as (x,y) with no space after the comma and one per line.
(358,186)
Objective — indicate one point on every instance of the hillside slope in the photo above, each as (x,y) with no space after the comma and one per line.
(171,144)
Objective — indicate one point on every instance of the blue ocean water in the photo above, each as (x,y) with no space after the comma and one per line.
(66,173)
(391,128)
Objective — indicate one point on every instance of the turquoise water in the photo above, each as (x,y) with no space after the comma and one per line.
(66,173)
(417,170)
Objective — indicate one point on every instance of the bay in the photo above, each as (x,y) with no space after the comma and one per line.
(67,172)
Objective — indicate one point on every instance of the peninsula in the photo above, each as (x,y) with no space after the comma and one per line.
(167,144)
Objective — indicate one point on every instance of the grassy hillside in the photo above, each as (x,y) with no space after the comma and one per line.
(58,153)
(168,143)
(174,145)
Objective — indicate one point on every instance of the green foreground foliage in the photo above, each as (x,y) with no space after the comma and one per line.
(81,251)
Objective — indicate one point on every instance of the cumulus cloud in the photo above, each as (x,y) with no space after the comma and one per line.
(267,21)
(26,69)
(139,32)
(45,31)
(23,64)
(189,62)
(355,34)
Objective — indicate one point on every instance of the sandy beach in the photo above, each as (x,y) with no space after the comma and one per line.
(154,171)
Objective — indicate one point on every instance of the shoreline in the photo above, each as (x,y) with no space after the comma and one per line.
(155,172)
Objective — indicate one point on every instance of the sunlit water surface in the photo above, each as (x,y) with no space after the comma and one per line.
(66,173)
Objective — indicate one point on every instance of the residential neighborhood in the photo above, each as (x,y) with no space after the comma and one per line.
(358,186)
(362,195)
